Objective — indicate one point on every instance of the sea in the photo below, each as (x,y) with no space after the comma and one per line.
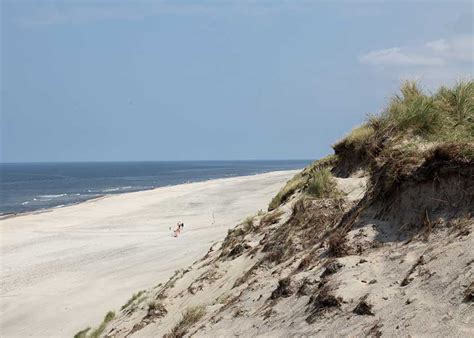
(26,187)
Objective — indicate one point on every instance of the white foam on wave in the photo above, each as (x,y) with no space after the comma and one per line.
(52,196)
(118,188)
(111,189)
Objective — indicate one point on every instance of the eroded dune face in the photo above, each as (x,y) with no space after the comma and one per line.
(374,240)
(325,266)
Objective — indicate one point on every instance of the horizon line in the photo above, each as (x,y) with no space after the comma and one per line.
(151,161)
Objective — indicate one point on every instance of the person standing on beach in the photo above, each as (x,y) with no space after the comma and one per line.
(179,227)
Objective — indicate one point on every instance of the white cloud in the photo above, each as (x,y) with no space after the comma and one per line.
(397,56)
(433,53)
(435,62)
(439,45)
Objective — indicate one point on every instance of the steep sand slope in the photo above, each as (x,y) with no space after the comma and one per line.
(63,269)
(382,285)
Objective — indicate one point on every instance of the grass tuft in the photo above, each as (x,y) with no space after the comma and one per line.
(190,317)
(322,184)
(98,332)
(82,333)
(132,299)
(447,115)
(300,181)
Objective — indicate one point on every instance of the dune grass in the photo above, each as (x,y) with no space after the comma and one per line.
(132,299)
(300,181)
(447,115)
(189,318)
(82,333)
(358,136)
(98,332)
(413,123)
(322,184)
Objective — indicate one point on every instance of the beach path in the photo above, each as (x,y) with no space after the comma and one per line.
(63,269)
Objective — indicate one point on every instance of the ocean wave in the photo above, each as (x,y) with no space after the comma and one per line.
(111,189)
(52,196)
(25,203)
(118,188)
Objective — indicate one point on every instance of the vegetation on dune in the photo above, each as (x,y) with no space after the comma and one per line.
(417,140)
(132,299)
(358,136)
(322,184)
(82,333)
(412,124)
(190,317)
(301,180)
(447,115)
(98,332)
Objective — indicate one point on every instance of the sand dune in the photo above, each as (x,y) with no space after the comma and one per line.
(62,270)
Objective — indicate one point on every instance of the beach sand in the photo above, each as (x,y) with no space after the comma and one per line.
(63,269)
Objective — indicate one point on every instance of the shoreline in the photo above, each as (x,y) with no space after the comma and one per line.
(89,258)
(92,199)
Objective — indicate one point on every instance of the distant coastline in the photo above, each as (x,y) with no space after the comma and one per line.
(36,187)
(113,192)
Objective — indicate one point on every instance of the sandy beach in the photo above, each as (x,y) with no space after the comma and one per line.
(63,269)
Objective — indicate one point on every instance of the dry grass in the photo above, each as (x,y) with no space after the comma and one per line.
(156,310)
(300,180)
(236,236)
(322,184)
(363,308)
(132,299)
(283,290)
(331,267)
(469,293)
(374,330)
(407,280)
(248,225)
(246,276)
(412,120)
(289,189)
(358,137)
(305,262)
(82,333)
(324,301)
(190,317)
(337,244)
(447,116)
(98,332)
(271,218)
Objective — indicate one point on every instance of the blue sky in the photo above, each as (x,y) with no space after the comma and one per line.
(204,80)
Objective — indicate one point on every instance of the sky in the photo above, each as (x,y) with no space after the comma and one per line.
(213,80)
